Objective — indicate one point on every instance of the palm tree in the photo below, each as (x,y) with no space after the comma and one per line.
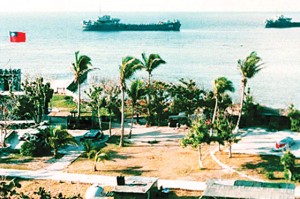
(112,100)
(221,85)
(248,67)
(136,91)
(100,157)
(97,101)
(151,63)
(59,137)
(80,68)
(129,66)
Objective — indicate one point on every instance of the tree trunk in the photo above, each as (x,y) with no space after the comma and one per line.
(130,132)
(148,100)
(78,104)
(215,111)
(290,174)
(3,139)
(122,117)
(200,156)
(149,79)
(55,152)
(99,119)
(109,125)
(214,116)
(95,166)
(230,151)
(242,104)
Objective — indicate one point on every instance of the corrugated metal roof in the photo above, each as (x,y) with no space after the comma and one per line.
(250,189)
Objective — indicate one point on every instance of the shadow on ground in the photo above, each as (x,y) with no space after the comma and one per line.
(15,160)
(135,171)
(268,163)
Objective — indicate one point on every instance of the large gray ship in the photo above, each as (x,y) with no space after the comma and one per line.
(281,22)
(106,23)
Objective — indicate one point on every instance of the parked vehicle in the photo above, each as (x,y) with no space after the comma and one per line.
(93,134)
(284,144)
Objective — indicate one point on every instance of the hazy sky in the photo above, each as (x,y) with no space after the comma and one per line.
(148,5)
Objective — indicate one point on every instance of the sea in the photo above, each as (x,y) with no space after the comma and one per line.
(208,46)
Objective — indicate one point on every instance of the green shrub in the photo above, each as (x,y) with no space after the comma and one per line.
(29,149)
(270,175)
(35,149)
(294,116)
(68,98)
(286,175)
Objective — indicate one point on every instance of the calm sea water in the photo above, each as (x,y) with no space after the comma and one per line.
(208,46)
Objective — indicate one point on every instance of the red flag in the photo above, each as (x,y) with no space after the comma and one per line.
(17,36)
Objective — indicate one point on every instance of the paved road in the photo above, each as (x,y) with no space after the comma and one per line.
(262,141)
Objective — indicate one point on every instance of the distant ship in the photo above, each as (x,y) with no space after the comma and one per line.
(106,23)
(281,22)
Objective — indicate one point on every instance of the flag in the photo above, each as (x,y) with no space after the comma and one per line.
(17,36)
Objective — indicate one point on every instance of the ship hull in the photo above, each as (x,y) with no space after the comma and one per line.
(133,27)
(283,25)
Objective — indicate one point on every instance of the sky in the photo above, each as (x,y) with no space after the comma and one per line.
(149,5)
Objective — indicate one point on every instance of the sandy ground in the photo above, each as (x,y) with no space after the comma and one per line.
(261,141)
(165,159)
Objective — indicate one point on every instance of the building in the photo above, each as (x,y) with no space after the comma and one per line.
(248,189)
(136,187)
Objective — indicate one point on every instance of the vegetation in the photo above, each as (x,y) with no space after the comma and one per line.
(59,137)
(97,102)
(187,97)
(294,116)
(225,132)
(63,101)
(248,67)
(100,157)
(34,102)
(164,99)
(112,100)
(198,135)
(136,91)
(129,66)
(7,116)
(221,86)
(150,63)
(9,190)
(80,68)
(159,103)
(288,161)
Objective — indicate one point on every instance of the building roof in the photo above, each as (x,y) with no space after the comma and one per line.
(59,114)
(248,189)
(136,184)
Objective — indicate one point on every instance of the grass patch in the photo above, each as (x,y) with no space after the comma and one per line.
(63,101)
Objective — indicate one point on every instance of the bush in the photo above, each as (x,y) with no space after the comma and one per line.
(68,98)
(28,149)
(294,116)
(286,175)
(35,149)
(270,175)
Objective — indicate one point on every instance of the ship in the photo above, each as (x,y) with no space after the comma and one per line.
(281,22)
(107,23)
